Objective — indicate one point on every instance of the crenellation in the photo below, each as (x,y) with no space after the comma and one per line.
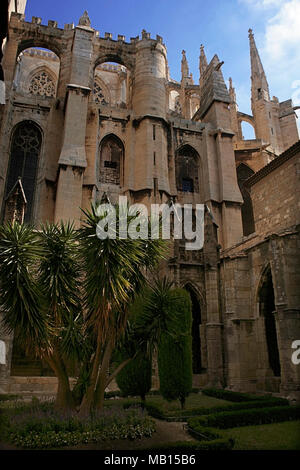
(36,20)
(52,24)
(69,26)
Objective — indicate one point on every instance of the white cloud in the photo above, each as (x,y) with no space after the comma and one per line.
(282,36)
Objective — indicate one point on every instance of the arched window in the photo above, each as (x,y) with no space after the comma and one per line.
(42,84)
(248,131)
(187,170)
(243,173)
(111,160)
(24,154)
(267,307)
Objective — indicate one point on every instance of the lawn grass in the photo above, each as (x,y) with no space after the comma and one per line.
(276,436)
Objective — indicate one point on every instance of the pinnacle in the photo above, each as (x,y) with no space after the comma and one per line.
(85,20)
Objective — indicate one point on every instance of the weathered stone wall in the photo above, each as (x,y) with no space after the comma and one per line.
(276,197)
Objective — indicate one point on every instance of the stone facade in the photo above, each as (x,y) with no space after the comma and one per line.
(102,117)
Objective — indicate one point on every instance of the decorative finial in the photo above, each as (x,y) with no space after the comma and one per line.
(85,20)
(250,31)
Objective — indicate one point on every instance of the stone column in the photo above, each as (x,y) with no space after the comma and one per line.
(214,325)
(72,161)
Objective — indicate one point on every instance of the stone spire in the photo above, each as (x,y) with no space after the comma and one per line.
(202,61)
(184,67)
(232,93)
(260,87)
(85,20)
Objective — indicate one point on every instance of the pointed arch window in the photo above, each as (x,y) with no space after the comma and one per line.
(111,160)
(42,84)
(187,170)
(24,154)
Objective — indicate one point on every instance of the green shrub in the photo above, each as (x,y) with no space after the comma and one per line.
(175,351)
(9,397)
(232,419)
(135,378)
(237,396)
(41,426)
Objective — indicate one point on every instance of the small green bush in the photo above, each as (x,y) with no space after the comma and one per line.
(135,378)
(232,419)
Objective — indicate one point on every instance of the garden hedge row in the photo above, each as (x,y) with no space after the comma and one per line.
(181,415)
(235,396)
(233,419)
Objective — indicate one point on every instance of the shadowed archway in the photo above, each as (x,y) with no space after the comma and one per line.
(196,338)
(267,308)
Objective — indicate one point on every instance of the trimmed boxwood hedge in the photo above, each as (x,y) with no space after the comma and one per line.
(181,415)
(233,419)
(235,396)
(184,446)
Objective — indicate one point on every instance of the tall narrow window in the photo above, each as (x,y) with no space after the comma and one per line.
(187,170)
(154,132)
(23,164)
(111,160)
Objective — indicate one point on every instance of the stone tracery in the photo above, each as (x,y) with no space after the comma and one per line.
(42,84)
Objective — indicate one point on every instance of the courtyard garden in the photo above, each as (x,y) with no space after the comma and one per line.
(257,423)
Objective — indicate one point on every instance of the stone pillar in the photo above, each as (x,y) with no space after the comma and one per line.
(9,61)
(214,325)
(72,161)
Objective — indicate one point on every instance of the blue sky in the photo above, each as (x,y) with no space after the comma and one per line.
(221,25)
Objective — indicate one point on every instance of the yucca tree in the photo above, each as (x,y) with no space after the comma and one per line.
(40,295)
(114,274)
(22,301)
(59,275)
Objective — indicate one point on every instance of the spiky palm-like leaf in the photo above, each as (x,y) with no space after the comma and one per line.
(21,299)
(115,271)
(59,275)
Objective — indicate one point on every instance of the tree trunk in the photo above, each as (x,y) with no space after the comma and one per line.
(88,399)
(64,399)
(103,376)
